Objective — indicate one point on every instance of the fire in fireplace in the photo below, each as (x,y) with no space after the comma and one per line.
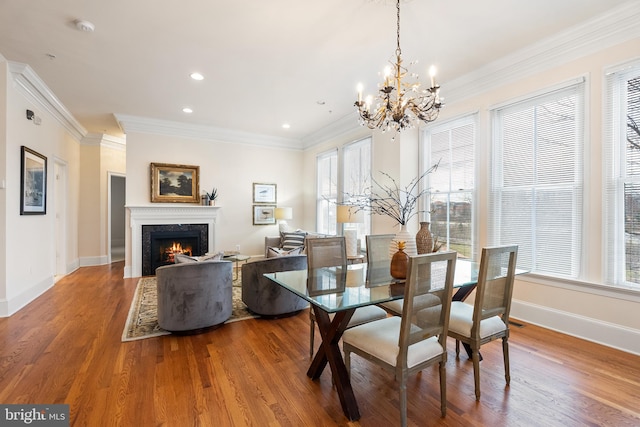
(160,243)
(167,252)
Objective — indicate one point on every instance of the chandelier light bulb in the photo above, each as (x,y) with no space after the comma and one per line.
(399,104)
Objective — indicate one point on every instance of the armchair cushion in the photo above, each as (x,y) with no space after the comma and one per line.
(193,296)
(266,298)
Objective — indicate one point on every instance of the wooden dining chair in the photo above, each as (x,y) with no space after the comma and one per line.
(488,318)
(378,252)
(409,343)
(332,252)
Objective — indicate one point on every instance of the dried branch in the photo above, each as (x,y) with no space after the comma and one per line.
(391,200)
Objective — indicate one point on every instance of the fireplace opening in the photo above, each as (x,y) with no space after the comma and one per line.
(160,243)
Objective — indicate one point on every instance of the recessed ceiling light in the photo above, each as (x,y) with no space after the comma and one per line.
(286,126)
(187,110)
(197,76)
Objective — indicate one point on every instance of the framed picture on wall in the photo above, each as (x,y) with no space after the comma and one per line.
(264,214)
(264,193)
(175,183)
(33,183)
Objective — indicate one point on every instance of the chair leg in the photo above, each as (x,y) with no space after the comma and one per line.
(457,349)
(505,355)
(443,388)
(475,356)
(403,400)
(311,335)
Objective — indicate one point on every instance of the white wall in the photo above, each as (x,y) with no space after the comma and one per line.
(230,167)
(29,243)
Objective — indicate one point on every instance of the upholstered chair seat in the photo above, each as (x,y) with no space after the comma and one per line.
(266,298)
(194,296)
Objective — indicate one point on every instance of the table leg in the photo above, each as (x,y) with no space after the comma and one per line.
(329,352)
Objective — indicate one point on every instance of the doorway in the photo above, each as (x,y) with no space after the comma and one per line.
(117,199)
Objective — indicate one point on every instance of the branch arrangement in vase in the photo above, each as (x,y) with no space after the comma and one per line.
(389,199)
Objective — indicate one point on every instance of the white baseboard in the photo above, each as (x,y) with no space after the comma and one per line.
(608,334)
(10,306)
(94,260)
(127,271)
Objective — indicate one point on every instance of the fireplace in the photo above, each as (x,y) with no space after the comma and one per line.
(161,242)
(160,214)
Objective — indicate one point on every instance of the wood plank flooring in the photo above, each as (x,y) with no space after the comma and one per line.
(65,347)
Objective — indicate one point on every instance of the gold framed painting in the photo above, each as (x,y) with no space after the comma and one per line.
(175,183)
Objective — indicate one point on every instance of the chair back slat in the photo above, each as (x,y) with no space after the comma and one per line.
(326,252)
(378,248)
(495,283)
(427,300)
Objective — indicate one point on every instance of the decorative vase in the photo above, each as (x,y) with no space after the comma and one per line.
(212,202)
(424,239)
(399,263)
(404,236)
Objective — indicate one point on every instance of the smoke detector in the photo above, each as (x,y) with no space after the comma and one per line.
(85,26)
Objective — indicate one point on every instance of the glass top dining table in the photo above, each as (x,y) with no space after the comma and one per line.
(335,289)
(336,292)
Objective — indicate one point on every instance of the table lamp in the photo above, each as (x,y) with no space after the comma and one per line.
(350,215)
(282,215)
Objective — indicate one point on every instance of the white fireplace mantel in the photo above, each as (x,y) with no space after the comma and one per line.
(167,214)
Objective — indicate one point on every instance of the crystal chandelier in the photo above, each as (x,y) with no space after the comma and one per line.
(396,99)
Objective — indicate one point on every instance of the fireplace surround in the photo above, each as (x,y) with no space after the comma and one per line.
(166,215)
(161,242)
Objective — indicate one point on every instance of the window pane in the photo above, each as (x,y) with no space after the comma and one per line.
(451,185)
(536,196)
(357,180)
(327,192)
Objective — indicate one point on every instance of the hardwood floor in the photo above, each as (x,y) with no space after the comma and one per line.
(65,347)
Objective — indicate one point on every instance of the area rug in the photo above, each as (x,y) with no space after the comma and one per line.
(142,321)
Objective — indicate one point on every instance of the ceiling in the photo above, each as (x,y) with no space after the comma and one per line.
(266,62)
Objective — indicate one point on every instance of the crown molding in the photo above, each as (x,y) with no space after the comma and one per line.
(169,128)
(614,27)
(346,126)
(34,88)
(104,140)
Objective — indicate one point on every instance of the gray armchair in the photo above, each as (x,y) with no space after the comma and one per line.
(266,298)
(194,296)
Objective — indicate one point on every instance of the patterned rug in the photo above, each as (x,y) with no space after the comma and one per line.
(142,321)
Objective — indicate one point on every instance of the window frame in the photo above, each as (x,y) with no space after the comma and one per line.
(538,100)
(426,162)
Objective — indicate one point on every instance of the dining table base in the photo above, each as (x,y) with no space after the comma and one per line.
(331,331)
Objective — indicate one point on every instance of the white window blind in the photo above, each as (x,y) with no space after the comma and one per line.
(622,177)
(452,185)
(536,184)
(356,178)
(326,192)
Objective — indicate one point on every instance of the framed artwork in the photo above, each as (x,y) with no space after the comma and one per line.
(264,193)
(175,183)
(33,183)
(264,214)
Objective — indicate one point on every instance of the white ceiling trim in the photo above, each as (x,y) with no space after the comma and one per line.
(34,88)
(104,140)
(615,27)
(130,124)
(340,128)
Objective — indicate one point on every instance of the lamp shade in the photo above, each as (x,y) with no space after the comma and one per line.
(348,215)
(283,213)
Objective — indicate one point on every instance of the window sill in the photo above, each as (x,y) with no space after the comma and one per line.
(623,293)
